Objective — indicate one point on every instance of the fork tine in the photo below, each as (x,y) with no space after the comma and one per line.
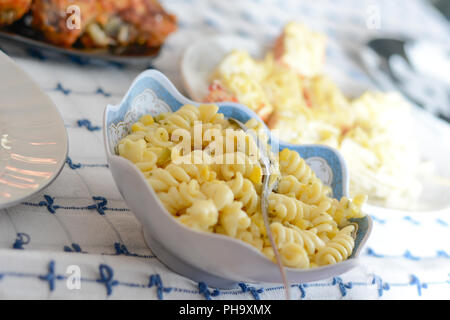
(267,189)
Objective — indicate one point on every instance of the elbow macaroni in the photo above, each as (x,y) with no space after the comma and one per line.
(310,228)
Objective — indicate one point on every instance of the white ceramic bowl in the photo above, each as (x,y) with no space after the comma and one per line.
(33,139)
(201,58)
(215,259)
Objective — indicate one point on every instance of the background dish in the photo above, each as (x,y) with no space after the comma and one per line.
(33,137)
(201,58)
(152,93)
(102,29)
(99,54)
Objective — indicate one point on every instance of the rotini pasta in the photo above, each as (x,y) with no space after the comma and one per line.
(252,236)
(292,164)
(181,197)
(287,209)
(244,191)
(182,119)
(315,193)
(306,238)
(171,176)
(233,218)
(294,255)
(202,215)
(309,228)
(337,249)
(219,192)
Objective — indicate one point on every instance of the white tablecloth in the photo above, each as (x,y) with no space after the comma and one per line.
(82,220)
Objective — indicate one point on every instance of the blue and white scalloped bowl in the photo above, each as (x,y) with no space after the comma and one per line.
(215,259)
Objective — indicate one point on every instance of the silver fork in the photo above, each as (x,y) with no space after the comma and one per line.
(266,190)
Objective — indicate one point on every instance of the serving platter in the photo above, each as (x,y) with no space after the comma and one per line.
(131,56)
(431,134)
(33,139)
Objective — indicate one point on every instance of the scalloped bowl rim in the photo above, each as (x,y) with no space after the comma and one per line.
(172,89)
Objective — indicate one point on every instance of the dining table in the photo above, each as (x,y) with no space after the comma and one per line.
(80,224)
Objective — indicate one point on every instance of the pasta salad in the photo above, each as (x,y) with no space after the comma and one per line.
(213,182)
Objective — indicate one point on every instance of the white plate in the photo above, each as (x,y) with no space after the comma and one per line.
(433,135)
(33,139)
